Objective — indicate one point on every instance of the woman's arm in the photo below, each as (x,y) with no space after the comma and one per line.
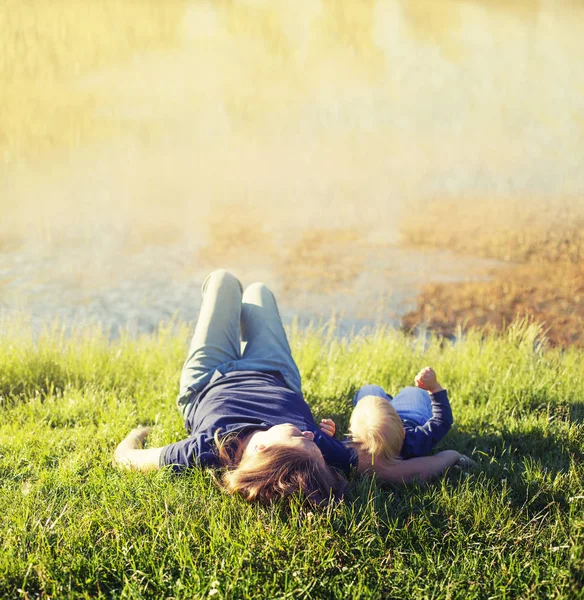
(413,469)
(130,453)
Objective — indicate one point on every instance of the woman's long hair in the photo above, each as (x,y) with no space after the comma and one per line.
(278,472)
(377,428)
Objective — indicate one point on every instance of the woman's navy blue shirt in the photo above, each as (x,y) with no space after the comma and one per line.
(244,401)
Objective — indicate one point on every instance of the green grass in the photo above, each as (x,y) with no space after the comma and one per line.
(74,526)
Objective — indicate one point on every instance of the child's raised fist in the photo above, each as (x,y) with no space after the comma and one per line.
(426,379)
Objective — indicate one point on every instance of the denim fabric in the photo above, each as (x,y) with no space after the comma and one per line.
(370,390)
(411,404)
(236,331)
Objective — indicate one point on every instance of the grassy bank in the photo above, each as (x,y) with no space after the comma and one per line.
(74,526)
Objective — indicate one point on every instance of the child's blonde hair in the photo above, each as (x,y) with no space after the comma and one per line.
(377,428)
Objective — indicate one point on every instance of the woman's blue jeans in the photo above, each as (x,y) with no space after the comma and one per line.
(235,331)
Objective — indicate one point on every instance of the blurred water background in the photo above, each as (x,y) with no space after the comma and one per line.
(143,144)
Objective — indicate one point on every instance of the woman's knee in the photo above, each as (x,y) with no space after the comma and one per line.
(258,286)
(257,290)
(221,278)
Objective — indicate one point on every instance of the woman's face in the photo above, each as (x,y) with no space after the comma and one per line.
(285,434)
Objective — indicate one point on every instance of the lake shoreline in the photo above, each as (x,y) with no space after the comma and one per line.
(544,284)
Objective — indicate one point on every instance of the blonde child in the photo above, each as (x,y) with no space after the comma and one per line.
(405,427)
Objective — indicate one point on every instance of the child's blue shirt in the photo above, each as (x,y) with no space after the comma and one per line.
(420,438)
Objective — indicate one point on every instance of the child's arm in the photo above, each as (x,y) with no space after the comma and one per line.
(422,439)
(426,379)
(130,453)
(421,468)
(414,469)
(328,426)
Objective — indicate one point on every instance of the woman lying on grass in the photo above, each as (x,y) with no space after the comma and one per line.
(242,404)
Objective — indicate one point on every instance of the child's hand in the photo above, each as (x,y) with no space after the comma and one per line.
(426,379)
(328,426)
(466,463)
